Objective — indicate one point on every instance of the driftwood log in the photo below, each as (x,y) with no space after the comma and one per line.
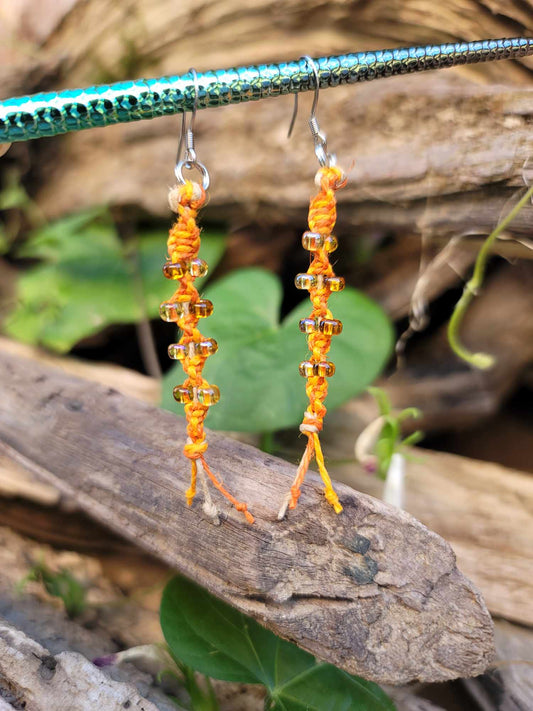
(484,510)
(489,537)
(372,590)
(506,686)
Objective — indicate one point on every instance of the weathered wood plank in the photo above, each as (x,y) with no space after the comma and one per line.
(371,590)
(508,685)
(39,681)
(483,509)
(125,380)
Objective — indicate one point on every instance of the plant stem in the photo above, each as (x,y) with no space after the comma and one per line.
(145,336)
(394,489)
(266,443)
(483,361)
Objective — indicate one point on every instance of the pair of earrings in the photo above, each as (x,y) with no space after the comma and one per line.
(185,308)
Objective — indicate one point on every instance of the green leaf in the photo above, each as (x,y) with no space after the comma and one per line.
(412,439)
(256,367)
(382,400)
(60,584)
(82,285)
(88,279)
(13,195)
(66,587)
(385,447)
(215,639)
(408,413)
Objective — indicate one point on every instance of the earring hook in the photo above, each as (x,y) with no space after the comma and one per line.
(321,147)
(190,159)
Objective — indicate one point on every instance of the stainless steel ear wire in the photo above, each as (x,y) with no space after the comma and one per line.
(190,159)
(321,147)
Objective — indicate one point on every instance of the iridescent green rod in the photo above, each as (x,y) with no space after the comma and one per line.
(49,114)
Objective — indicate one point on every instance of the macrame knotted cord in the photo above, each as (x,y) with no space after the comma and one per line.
(185,308)
(320,280)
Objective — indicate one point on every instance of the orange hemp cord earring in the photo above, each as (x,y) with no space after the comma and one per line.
(185,308)
(320,280)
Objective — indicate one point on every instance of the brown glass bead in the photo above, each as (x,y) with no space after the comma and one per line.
(173,310)
(308,325)
(178,351)
(305,281)
(203,308)
(330,326)
(314,241)
(306,368)
(209,395)
(175,270)
(325,369)
(183,394)
(331,243)
(206,347)
(198,267)
(335,283)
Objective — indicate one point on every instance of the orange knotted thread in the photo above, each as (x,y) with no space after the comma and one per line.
(183,246)
(322,218)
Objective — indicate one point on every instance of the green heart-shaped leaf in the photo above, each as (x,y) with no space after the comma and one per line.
(215,639)
(256,367)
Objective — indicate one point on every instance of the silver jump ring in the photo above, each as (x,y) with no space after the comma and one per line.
(190,165)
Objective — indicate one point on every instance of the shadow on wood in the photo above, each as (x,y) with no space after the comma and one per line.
(372,590)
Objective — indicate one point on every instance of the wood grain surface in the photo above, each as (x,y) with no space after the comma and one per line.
(372,590)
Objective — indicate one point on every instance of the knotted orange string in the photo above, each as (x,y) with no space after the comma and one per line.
(321,281)
(185,308)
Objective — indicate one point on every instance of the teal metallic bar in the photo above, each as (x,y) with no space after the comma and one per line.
(50,114)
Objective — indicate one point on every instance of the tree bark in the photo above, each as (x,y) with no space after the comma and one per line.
(371,590)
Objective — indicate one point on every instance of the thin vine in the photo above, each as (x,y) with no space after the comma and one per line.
(483,361)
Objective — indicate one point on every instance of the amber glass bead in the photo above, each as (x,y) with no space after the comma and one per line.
(308,325)
(306,368)
(325,369)
(209,395)
(175,270)
(203,308)
(305,281)
(335,283)
(198,267)
(331,243)
(183,394)
(206,347)
(330,326)
(178,351)
(173,310)
(313,241)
